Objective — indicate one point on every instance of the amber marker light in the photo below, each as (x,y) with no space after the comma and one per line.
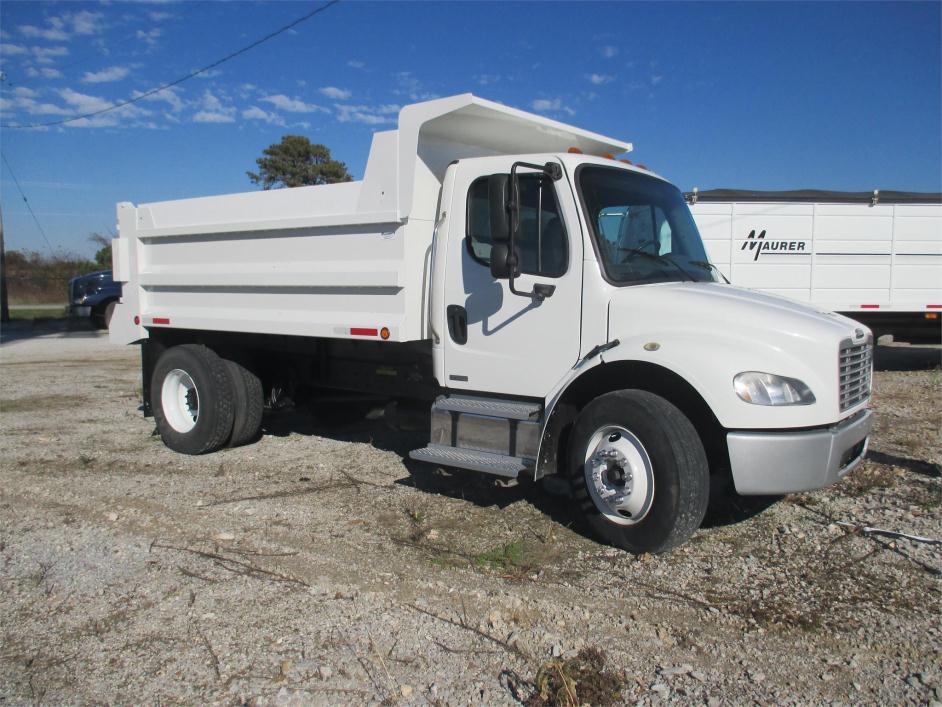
(384,333)
(574,151)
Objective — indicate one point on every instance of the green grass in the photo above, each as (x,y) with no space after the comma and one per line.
(26,313)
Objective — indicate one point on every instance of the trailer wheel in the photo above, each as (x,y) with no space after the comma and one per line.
(247,403)
(639,472)
(192,399)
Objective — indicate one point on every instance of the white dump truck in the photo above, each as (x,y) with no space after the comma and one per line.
(874,256)
(551,307)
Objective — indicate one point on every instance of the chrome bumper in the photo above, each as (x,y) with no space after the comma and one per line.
(778,462)
(80,310)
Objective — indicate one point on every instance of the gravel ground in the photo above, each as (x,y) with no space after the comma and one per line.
(320,566)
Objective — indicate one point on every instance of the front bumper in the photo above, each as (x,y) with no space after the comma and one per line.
(777,462)
(80,310)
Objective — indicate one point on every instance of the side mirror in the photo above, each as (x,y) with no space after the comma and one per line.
(505,264)
(498,193)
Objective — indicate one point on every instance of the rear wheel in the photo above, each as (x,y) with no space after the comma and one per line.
(192,399)
(247,403)
(639,471)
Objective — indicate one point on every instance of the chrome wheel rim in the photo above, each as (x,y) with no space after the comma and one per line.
(619,475)
(180,400)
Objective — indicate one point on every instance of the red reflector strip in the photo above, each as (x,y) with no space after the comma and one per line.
(870,306)
(934,306)
(357,331)
(160,320)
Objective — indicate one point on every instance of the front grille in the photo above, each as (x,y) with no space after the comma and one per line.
(856,366)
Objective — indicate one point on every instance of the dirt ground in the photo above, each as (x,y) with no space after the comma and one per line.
(321,566)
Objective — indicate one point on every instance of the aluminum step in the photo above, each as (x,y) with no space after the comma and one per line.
(497,464)
(509,409)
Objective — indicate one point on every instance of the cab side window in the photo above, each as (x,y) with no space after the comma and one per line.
(541,238)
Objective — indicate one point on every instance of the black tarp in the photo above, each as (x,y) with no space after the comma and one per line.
(821,196)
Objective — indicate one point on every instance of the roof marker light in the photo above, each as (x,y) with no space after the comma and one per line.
(574,151)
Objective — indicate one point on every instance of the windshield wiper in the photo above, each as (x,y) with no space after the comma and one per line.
(660,259)
(710,266)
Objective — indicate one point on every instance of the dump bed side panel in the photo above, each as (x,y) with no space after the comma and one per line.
(273,270)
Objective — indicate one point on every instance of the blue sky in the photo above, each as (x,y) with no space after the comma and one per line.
(749,95)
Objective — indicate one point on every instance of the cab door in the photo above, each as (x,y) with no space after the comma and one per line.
(496,341)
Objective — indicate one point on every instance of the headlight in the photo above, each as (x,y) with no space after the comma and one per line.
(770,389)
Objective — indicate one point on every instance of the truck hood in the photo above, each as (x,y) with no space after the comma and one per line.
(707,333)
(708,304)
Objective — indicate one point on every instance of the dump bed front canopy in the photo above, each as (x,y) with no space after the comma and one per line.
(435,133)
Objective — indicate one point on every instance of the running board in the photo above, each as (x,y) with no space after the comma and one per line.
(492,407)
(497,464)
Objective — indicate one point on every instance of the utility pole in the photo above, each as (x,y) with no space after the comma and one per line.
(4,305)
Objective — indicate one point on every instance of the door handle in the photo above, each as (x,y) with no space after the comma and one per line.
(457,323)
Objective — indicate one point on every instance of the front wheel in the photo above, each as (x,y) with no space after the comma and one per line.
(639,471)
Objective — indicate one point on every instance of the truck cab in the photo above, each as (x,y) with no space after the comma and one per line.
(553,307)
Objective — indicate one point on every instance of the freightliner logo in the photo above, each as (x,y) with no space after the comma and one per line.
(760,245)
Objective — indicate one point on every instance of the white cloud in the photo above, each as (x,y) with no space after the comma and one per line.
(112,73)
(293,105)
(170,96)
(356,64)
(337,94)
(12,49)
(26,103)
(160,16)
(86,22)
(55,33)
(205,116)
(211,74)
(256,113)
(608,51)
(369,115)
(554,105)
(599,79)
(82,102)
(62,27)
(45,72)
(214,110)
(48,55)
(656,79)
(150,36)
(487,79)
(25,92)
(409,85)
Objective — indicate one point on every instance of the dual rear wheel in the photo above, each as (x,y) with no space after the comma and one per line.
(202,402)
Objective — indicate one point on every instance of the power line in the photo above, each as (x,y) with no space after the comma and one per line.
(188,76)
(25,200)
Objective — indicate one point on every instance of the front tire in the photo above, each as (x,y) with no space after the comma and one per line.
(639,472)
(192,399)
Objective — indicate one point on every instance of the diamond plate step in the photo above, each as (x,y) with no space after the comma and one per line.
(497,464)
(509,409)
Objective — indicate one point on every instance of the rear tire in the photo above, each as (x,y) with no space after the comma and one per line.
(192,399)
(639,472)
(247,404)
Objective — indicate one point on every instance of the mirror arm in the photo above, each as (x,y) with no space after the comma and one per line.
(555,172)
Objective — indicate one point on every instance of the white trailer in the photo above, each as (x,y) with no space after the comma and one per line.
(874,256)
(551,309)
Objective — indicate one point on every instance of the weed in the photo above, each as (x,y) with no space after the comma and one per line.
(501,558)
(577,681)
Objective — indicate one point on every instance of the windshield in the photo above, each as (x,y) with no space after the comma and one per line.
(642,227)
